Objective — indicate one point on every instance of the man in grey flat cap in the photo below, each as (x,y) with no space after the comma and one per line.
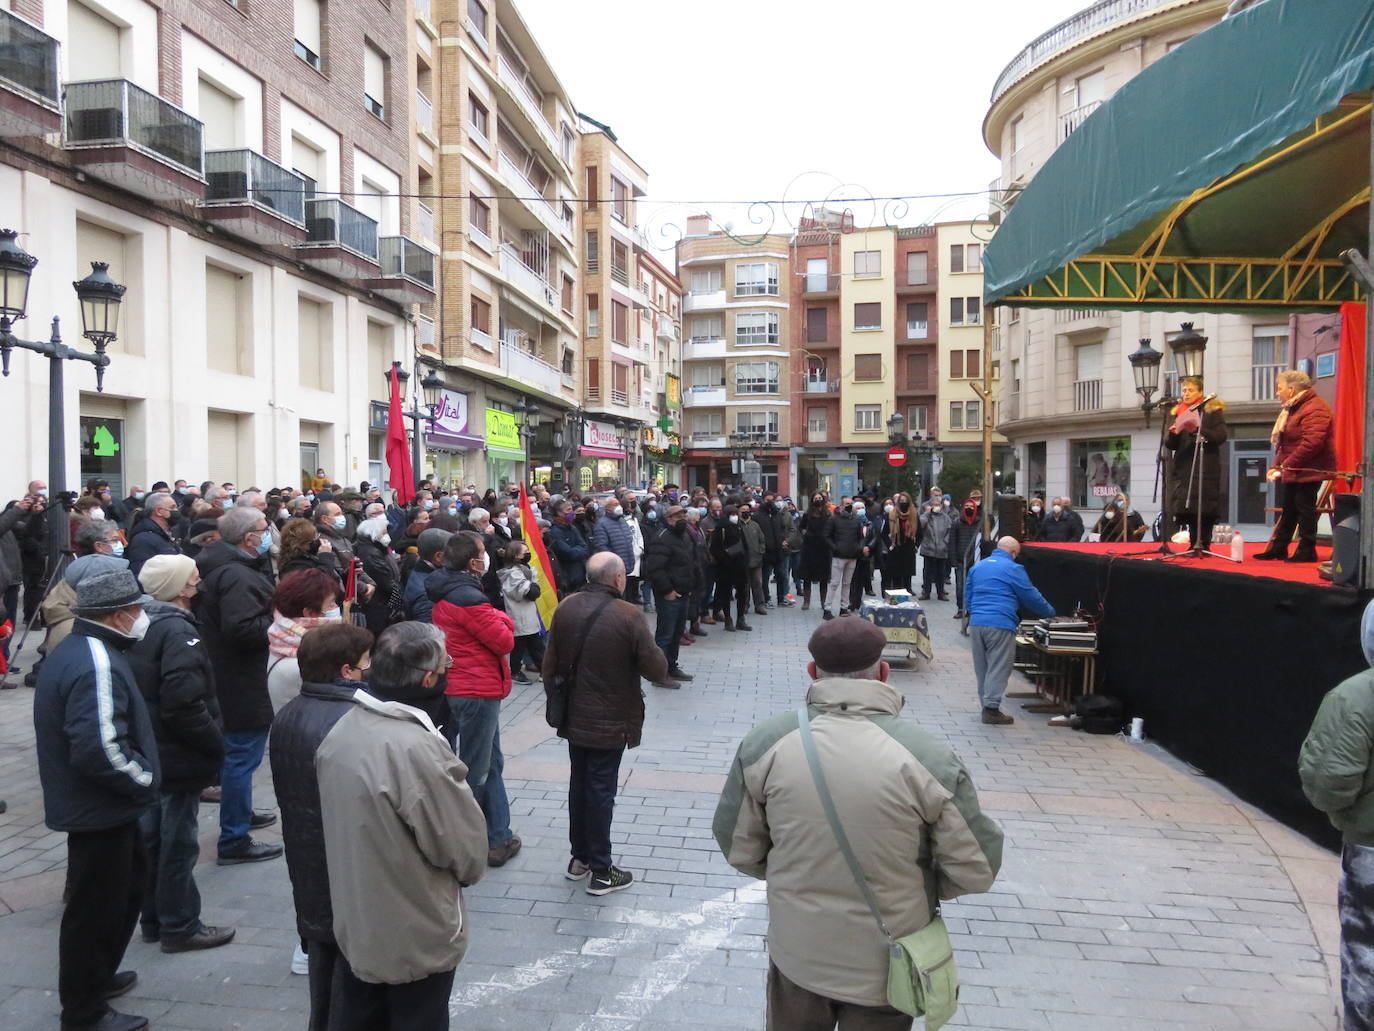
(98,764)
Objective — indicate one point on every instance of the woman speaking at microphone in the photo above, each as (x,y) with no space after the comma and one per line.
(1195,438)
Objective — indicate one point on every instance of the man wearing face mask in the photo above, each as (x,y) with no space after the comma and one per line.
(671,570)
(172,667)
(332,525)
(235,612)
(152,535)
(1062,523)
(613,534)
(98,765)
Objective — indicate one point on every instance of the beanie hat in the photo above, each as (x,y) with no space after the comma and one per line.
(165,576)
(100,595)
(846,645)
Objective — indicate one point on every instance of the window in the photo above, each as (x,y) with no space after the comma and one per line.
(708,376)
(566,296)
(868,264)
(756,378)
(228,336)
(478,14)
(756,278)
(1087,362)
(965,257)
(868,315)
(918,372)
(964,311)
(479,215)
(479,119)
(620,262)
(1268,357)
(567,367)
(620,200)
(756,327)
(956,258)
(620,322)
(706,281)
(593,315)
(1089,89)
(308,163)
(917,268)
(956,364)
(565,142)
(817,423)
(705,327)
(815,372)
(307,30)
(481,315)
(593,379)
(1016,375)
(1018,134)
(868,418)
(592,196)
(956,415)
(757,425)
(816,331)
(593,251)
(707,424)
(817,275)
(916,419)
(917,320)
(973,363)
(374,80)
(973,419)
(868,367)
(220,113)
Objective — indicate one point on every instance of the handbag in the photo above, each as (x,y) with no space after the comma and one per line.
(922,979)
(557,693)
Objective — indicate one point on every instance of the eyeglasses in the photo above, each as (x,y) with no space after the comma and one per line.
(361,669)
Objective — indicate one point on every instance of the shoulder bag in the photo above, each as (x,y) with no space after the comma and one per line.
(557,693)
(922,979)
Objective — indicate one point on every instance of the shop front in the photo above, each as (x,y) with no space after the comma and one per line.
(451,450)
(662,456)
(600,459)
(505,453)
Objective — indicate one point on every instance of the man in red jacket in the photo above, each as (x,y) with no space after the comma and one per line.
(1304,456)
(479,638)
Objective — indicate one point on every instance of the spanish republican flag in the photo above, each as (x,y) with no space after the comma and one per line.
(539,561)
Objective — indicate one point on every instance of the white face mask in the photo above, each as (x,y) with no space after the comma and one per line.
(1035,509)
(486,562)
(1108,515)
(334,613)
(97,513)
(734,519)
(1057,509)
(385,540)
(889,508)
(139,628)
(502,521)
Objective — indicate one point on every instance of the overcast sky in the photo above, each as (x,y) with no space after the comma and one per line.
(733,100)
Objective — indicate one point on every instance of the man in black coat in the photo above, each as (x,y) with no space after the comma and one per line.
(235,610)
(775,524)
(172,667)
(332,661)
(152,535)
(1062,524)
(98,764)
(672,571)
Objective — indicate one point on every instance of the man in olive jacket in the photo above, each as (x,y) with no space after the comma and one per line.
(605,708)
(911,815)
(1337,770)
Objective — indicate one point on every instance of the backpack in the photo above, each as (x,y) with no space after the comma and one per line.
(1099,714)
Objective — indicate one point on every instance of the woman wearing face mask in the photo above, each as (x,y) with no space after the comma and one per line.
(372,547)
(520,591)
(1195,438)
(303,548)
(1118,523)
(730,554)
(176,679)
(902,538)
(816,553)
(301,602)
(1035,516)
(934,547)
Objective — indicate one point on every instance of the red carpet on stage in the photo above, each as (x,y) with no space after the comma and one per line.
(1293,572)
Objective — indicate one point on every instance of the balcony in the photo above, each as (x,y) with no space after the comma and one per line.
(1087,395)
(704,397)
(713,301)
(1071,120)
(523,191)
(1011,406)
(817,432)
(424,335)
(30,102)
(480,338)
(123,134)
(519,364)
(525,279)
(339,239)
(516,87)
(704,347)
(254,197)
(1092,21)
(621,275)
(831,386)
(911,286)
(424,114)
(818,284)
(708,439)
(1263,381)
(407,271)
(667,330)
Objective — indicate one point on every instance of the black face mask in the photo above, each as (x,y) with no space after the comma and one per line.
(174,518)
(904,505)
(678,527)
(849,508)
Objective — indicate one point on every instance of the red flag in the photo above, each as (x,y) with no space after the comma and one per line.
(1350,392)
(399,473)
(539,560)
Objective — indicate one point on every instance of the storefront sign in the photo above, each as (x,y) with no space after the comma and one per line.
(502,430)
(672,392)
(601,434)
(377,414)
(452,414)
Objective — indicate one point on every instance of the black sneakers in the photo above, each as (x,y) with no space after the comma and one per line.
(577,870)
(249,852)
(606,881)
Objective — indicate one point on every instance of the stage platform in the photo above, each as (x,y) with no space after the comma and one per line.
(1292,572)
(1225,662)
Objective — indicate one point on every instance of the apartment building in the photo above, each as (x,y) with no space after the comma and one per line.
(737,371)
(240,168)
(1067,399)
(505,167)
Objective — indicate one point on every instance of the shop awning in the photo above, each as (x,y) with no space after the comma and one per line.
(505,454)
(601,452)
(1227,176)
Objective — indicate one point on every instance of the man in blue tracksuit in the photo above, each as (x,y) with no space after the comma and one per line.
(998,589)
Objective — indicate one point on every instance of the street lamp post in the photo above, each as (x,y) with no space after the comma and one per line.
(431,385)
(1145,367)
(529,430)
(100,297)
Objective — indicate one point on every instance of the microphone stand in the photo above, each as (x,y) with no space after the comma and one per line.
(1163,550)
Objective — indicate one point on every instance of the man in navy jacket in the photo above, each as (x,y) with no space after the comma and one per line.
(98,764)
(998,589)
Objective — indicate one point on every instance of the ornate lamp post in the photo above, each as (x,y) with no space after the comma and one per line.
(100,297)
(529,430)
(1188,348)
(1145,367)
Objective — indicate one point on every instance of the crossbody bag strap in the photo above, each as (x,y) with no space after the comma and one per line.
(828,804)
(586,630)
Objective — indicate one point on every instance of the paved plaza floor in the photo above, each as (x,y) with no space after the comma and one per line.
(1134,894)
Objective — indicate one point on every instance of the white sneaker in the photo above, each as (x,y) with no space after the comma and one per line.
(300,962)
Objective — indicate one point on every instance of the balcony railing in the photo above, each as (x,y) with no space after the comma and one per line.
(1087,395)
(334,222)
(424,113)
(525,277)
(115,111)
(402,257)
(1063,315)
(816,432)
(520,364)
(425,221)
(517,85)
(28,58)
(620,274)
(245,175)
(820,283)
(1071,120)
(825,387)
(1097,18)
(620,397)
(480,337)
(1263,380)
(917,330)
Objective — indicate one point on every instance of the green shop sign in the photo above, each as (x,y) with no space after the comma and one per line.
(502,430)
